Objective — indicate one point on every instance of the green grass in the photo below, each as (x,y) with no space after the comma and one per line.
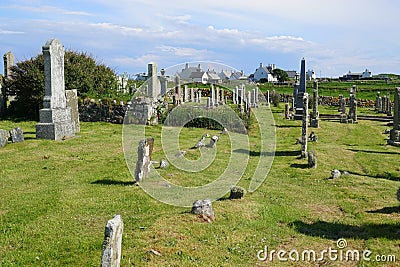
(56,198)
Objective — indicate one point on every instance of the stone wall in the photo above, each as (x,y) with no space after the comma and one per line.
(93,111)
(332,101)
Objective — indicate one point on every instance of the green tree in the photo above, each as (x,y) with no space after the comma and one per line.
(281,75)
(81,72)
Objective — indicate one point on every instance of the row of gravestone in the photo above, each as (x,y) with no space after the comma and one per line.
(15,135)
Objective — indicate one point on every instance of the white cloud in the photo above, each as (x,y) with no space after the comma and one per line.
(117,28)
(10,32)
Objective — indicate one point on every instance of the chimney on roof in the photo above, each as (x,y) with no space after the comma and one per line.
(260,65)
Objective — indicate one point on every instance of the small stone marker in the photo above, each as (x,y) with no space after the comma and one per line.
(3,138)
(335,174)
(17,135)
(237,192)
(163,164)
(213,141)
(312,159)
(204,209)
(200,143)
(111,254)
(145,150)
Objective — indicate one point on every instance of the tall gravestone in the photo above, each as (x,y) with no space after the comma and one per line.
(314,120)
(301,91)
(9,61)
(72,103)
(55,117)
(304,127)
(143,164)
(163,82)
(153,82)
(395,132)
(352,118)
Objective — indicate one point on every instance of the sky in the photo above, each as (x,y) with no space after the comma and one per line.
(334,37)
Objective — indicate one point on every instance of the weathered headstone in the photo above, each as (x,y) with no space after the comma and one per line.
(178,90)
(55,117)
(16,135)
(287,109)
(72,103)
(143,164)
(112,244)
(163,164)
(395,132)
(213,141)
(204,209)
(304,127)
(237,192)
(377,100)
(312,159)
(3,138)
(314,118)
(335,174)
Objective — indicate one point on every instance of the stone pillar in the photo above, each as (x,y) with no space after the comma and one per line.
(268,100)
(212,95)
(388,106)
(217,96)
(143,164)
(378,95)
(163,83)
(111,252)
(395,132)
(314,120)
(185,93)
(301,91)
(256,97)
(9,61)
(55,117)
(209,102)
(198,96)
(192,98)
(177,90)
(152,81)
(304,127)
(352,118)
(235,95)
(384,104)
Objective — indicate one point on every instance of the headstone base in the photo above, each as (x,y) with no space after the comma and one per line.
(54,131)
(395,135)
(299,114)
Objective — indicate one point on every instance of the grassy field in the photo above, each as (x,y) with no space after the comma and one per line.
(56,198)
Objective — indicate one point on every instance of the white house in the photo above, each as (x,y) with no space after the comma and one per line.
(199,77)
(238,75)
(225,74)
(265,73)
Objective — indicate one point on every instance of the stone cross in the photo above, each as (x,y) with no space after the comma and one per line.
(55,117)
(304,127)
(112,244)
(314,120)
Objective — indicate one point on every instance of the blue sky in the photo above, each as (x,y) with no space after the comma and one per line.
(333,36)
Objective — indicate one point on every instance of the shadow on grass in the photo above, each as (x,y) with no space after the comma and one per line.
(386,175)
(299,166)
(287,126)
(386,210)
(334,231)
(375,152)
(277,153)
(113,182)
